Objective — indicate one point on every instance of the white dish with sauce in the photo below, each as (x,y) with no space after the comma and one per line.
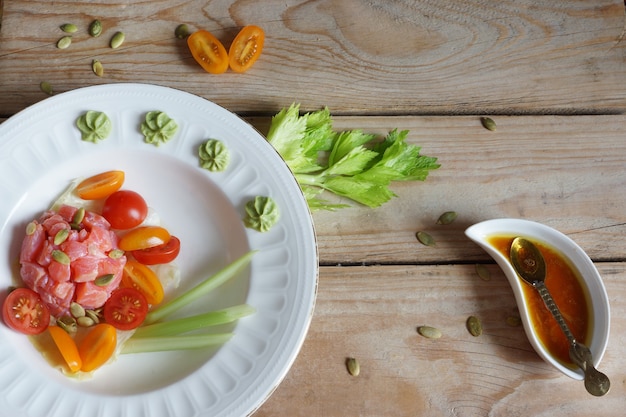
(600,312)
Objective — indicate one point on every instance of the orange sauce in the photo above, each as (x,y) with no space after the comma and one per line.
(568,291)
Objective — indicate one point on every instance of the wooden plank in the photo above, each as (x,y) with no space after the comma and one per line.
(566,172)
(371,313)
(428,57)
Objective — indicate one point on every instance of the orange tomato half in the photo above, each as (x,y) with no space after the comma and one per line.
(67,347)
(144,237)
(101,185)
(208,51)
(143,279)
(246,48)
(97,347)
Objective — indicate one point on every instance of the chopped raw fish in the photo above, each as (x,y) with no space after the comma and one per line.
(87,249)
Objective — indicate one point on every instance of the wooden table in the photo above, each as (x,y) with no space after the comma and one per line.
(552,74)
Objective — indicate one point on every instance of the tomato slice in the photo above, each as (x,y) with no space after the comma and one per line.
(161,254)
(25,312)
(67,347)
(125,209)
(246,48)
(97,346)
(208,51)
(144,237)
(125,309)
(138,276)
(101,185)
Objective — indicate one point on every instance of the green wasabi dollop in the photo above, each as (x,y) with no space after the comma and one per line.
(261,214)
(214,155)
(158,127)
(94,126)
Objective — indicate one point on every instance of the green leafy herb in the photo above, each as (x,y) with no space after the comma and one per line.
(352,164)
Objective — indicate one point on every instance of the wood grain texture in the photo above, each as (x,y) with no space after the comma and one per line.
(356,56)
(371,313)
(566,172)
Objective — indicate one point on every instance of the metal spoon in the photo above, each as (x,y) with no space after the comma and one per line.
(531,267)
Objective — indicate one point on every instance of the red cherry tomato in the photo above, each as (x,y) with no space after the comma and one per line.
(125,309)
(161,254)
(125,209)
(24,312)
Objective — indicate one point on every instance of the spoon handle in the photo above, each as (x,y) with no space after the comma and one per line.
(540,286)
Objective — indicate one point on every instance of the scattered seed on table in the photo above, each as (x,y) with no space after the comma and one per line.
(429,332)
(64,42)
(488,123)
(513,321)
(474,326)
(447,217)
(353,366)
(425,239)
(483,272)
(46,87)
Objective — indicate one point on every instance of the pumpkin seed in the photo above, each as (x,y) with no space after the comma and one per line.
(46,88)
(78,216)
(429,332)
(116,254)
(483,272)
(447,217)
(95,28)
(64,42)
(103,280)
(425,239)
(67,323)
(69,28)
(474,326)
(77,310)
(61,257)
(353,366)
(488,123)
(97,68)
(182,31)
(513,321)
(92,314)
(85,321)
(61,236)
(117,40)
(31,228)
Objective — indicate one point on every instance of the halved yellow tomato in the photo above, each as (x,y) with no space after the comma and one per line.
(101,185)
(67,347)
(144,237)
(138,276)
(208,51)
(246,48)
(97,347)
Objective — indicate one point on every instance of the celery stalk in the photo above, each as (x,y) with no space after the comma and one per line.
(159,344)
(187,324)
(199,290)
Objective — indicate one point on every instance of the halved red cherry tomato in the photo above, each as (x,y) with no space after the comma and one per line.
(246,48)
(24,312)
(67,347)
(144,237)
(208,51)
(97,346)
(100,185)
(138,276)
(125,309)
(161,254)
(125,209)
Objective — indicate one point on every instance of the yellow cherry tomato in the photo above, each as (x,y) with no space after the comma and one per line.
(97,346)
(67,347)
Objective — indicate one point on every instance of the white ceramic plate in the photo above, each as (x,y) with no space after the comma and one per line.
(41,152)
